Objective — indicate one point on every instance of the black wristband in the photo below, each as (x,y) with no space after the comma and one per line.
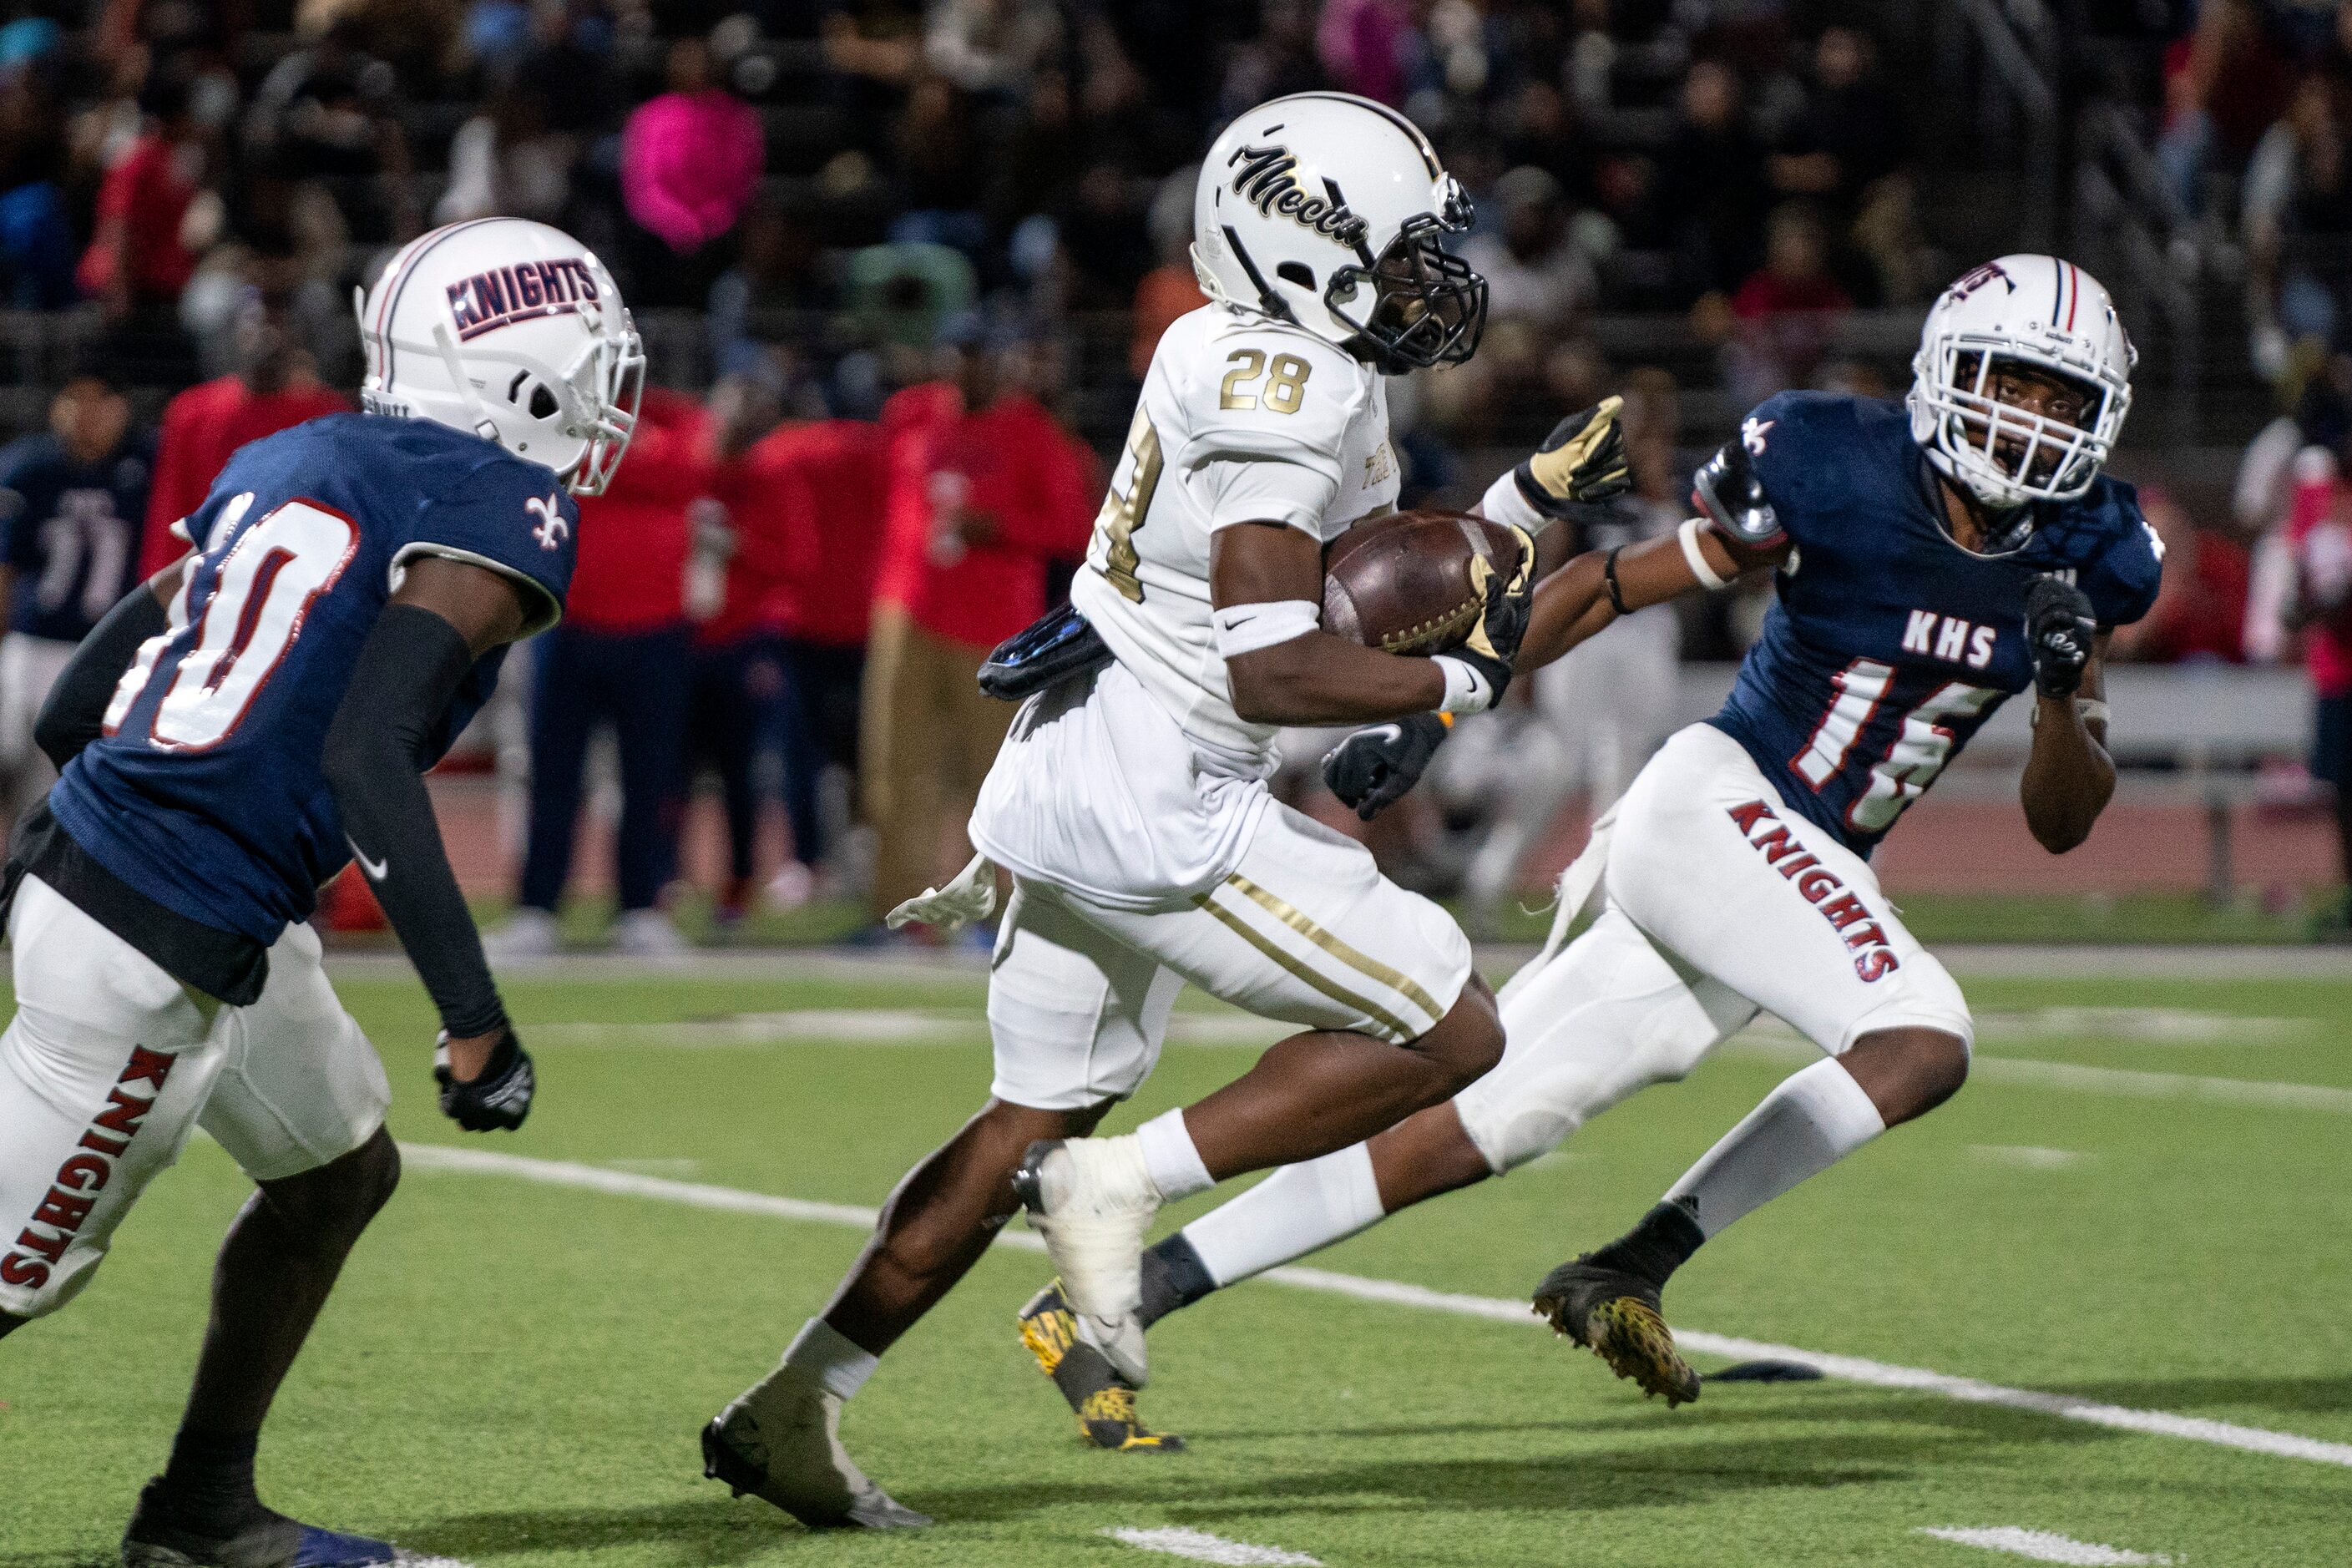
(75,711)
(1609,576)
(376,752)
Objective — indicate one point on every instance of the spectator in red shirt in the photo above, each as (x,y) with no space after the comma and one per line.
(621,655)
(821,486)
(744,545)
(275,389)
(136,258)
(2319,538)
(2201,609)
(1785,310)
(984,489)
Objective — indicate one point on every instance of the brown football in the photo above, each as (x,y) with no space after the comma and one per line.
(1403,583)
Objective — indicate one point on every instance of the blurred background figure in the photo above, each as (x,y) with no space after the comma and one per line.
(690,163)
(985,489)
(823,486)
(621,660)
(744,547)
(275,385)
(1610,702)
(71,502)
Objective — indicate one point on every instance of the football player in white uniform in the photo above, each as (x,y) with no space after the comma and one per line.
(1130,801)
(1933,558)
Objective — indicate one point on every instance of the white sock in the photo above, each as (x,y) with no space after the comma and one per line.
(1170,1158)
(1292,1213)
(1814,1119)
(822,1351)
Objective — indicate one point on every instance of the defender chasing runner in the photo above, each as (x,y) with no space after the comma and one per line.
(1932,559)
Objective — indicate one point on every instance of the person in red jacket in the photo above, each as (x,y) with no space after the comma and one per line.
(985,487)
(821,488)
(620,656)
(749,537)
(275,388)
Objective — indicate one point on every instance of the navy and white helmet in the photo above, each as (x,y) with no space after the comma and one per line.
(2040,313)
(512,331)
(1330,211)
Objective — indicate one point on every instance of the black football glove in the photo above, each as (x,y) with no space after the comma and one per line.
(1582,461)
(1494,641)
(1372,769)
(2059,628)
(499,1099)
(1727,492)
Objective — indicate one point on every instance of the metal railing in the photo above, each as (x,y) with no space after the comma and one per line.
(2129,223)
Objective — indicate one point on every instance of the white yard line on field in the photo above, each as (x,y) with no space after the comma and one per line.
(2043,1546)
(2022,1156)
(1203,1547)
(1395,1292)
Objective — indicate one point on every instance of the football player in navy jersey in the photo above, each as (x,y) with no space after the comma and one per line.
(70,503)
(231,734)
(1932,559)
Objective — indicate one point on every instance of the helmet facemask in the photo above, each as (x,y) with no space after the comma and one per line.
(2010,456)
(1428,306)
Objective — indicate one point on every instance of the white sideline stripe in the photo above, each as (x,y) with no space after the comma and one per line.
(2128,1083)
(1396,1293)
(1203,1547)
(412,1559)
(2045,1546)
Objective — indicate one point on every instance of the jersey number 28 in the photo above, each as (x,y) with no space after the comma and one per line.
(261,590)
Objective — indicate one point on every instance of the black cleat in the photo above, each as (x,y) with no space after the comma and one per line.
(1103,1401)
(1618,1317)
(262,1539)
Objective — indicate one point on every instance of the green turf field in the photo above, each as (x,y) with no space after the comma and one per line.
(513,1372)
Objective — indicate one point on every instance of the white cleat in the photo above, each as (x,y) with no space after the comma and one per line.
(781,1441)
(647,933)
(529,936)
(1092,1200)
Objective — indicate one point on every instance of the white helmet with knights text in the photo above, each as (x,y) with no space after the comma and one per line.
(510,331)
(1330,212)
(2021,381)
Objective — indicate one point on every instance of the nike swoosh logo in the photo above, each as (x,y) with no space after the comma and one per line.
(376,869)
(1385,731)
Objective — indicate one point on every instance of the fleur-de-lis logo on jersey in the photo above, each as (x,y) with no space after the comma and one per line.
(553,530)
(1751,433)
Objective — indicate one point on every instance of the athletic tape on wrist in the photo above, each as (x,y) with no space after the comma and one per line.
(1245,628)
(1688,535)
(1504,504)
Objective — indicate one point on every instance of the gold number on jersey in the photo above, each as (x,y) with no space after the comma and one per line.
(1249,364)
(1121,515)
(1282,394)
(1289,387)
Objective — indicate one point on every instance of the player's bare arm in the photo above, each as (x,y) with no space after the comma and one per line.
(445,616)
(2069,776)
(1316,678)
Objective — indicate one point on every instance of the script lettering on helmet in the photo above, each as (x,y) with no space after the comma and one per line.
(1268,178)
(1976,279)
(525,291)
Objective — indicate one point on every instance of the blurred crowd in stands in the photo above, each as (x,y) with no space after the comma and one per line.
(901,264)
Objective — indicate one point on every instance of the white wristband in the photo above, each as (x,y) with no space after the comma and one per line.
(1466,691)
(1688,533)
(1503,503)
(1245,628)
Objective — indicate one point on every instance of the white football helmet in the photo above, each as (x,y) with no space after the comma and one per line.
(513,331)
(1329,211)
(2033,312)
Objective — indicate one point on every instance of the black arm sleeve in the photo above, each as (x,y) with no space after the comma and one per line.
(375,758)
(75,708)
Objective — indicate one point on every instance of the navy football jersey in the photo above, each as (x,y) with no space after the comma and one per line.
(1890,646)
(204,793)
(71,533)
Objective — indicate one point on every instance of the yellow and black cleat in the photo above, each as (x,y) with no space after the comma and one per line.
(1103,1401)
(1616,1316)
